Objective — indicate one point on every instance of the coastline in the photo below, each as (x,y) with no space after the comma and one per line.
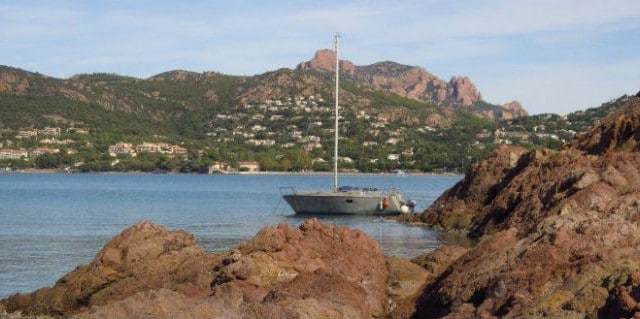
(308,173)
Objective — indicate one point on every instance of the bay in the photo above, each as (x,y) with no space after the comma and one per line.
(50,223)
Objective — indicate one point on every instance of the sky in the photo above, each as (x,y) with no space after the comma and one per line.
(553,56)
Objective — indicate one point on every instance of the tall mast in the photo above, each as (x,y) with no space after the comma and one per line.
(335,145)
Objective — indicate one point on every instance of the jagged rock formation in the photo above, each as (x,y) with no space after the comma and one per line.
(507,111)
(463,91)
(513,110)
(620,132)
(414,83)
(325,61)
(560,230)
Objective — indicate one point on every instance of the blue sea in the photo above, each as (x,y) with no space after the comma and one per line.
(50,223)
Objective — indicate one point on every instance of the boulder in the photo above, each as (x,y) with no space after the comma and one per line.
(292,264)
(315,270)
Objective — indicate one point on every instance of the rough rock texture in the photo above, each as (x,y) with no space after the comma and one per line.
(325,60)
(408,81)
(334,271)
(278,84)
(414,83)
(440,259)
(513,110)
(463,91)
(143,257)
(507,111)
(620,132)
(405,284)
(459,206)
(408,279)
(417,84)
(314,271)
(560,231)
(10,83)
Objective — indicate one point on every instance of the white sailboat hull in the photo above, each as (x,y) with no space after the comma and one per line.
(345,203)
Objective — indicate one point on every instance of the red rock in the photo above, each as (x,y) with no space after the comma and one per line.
(408,279)
(463,91)
(325,61)
(276,257)
(616,133)
(143,257)
(507,111)
(437,261)
(315,270)
(405,283)
(414,83)
(560,229)
(13,83)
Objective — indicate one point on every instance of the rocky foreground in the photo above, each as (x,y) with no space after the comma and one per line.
(313,271)
(558,230)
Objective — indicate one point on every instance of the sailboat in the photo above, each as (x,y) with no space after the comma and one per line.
(346,200)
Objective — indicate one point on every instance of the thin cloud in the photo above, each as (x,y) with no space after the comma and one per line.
(481,39)
(562,88)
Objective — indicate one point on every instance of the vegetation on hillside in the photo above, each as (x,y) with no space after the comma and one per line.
(288,131)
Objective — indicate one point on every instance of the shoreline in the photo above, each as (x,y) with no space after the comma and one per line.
(57,171)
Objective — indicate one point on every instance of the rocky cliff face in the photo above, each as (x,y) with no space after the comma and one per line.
(325,61)
(463,91)
(620,132)
(507,111)
(19,82)
(11,83)
(560,230)
(413,83)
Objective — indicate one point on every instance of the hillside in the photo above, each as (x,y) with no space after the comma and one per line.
(393,117)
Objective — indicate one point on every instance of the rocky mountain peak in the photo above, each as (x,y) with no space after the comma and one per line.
(507,111)
(325,61)
(413,82)
(513,110)
(463,91)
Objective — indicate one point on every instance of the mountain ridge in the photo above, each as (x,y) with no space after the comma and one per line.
(411,82)
(416,83)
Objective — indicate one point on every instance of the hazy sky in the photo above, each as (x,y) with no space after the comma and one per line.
(553,56)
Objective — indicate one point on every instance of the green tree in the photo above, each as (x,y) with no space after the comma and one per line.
(56,160)
(299,159)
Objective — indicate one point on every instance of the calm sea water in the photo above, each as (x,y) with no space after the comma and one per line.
(50,223)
